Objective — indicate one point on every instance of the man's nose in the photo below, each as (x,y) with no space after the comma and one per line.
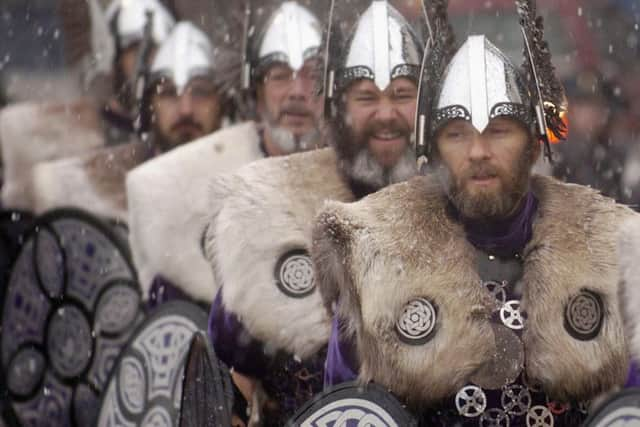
(185,104)
(299,88)
(479,148)
(385,112)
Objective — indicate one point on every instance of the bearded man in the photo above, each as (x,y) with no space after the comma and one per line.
(478,294)
(182,102)
(267,321)
(167,197)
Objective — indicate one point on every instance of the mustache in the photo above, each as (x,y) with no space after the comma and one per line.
(294,108)
(391,126)
(186,122)
(480,171)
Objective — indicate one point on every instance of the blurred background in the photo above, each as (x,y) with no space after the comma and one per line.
(595,46)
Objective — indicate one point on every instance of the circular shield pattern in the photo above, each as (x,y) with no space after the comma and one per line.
(539,416)
(143,388)
(511,316)
(494,417)
(133,383)
(417,322)
(583,315)
(294,274)
(49,260)
(471,401)
(25,372)
(69,341)
(56,353)
(117,308)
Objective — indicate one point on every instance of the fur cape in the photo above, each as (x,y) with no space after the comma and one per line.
(629,249)
(399,244)
(268,211)
(31,133)
(168,199)
(93,182)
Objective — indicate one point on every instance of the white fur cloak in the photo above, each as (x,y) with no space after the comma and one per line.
(93,182)
(399,244)
(268,211)
(31,133)
(169,206)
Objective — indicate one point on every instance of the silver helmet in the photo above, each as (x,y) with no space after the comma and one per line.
(380,45)
(185,54)
(479,83)
(290,34)
(127,20)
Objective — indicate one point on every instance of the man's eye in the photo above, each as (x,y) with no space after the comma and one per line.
(405,97)
(453,134)
(498,130)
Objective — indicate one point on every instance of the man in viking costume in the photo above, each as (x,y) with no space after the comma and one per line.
(118,42)
(479,294)
(268,322)
(182,102)
(137,29)
(168,197)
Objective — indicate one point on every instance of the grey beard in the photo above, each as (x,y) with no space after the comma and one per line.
(365,168)
(287,141)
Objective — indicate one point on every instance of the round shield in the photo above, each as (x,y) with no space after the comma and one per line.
(71,303)
(207,394)
(145,388)
(623,408)
(353,404)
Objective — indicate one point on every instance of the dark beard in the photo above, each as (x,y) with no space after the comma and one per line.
(489,207)
(357,163)
(165,143)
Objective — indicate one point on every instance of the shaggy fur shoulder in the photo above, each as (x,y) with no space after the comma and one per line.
(93,182)
(629,249)
(31,133)
(268,211)
(399,244)
(169,207)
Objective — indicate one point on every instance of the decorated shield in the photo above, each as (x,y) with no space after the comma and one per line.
(353,404)
(145,388)
(71,303)
(622,409)
(207,394)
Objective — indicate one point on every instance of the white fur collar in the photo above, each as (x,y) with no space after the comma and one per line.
(168,199)
(268,211)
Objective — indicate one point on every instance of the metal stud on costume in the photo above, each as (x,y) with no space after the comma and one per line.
(71,304)
(145,388)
